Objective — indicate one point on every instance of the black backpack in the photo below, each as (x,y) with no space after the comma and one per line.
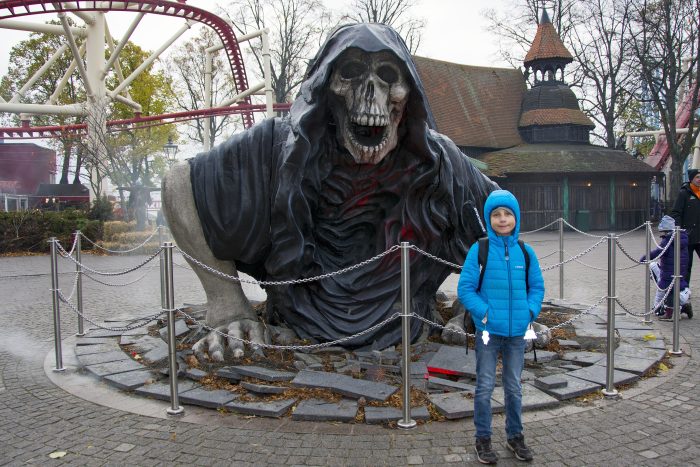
(484,256)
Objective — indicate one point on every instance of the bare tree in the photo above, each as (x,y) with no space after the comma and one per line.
(297,28)
(394,13)
(186,68)
(601,65)
(665,37)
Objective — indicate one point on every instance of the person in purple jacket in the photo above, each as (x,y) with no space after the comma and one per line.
(502,308)
(664,277)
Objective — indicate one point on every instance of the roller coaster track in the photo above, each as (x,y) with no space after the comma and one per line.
(179,9)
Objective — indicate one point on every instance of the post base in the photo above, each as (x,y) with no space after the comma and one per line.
(613,393)
(407,425)
(676,353)
(647,322)
(79,334)
(59,369)
(178,411)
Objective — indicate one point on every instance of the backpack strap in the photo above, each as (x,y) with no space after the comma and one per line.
(484,256)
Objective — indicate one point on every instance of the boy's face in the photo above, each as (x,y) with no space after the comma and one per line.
(696,180)
(502,221)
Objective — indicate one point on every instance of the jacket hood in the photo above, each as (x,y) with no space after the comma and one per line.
(497,199)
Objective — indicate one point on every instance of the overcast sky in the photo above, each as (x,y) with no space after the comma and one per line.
(455,30)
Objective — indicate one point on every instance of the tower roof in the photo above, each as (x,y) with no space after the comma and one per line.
(547,44)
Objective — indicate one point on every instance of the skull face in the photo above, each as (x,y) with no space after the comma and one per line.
(372,91)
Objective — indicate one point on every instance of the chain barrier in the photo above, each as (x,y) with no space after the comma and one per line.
(668,245)
(541,228)
(574,258)
(582,232)
(65,253)
(547,255)
(144,320)
(658,305)
(103,273)
(75,285)
(115,285)
(285,347)
(289,281)
(630,231)
(435,258)
(130,250)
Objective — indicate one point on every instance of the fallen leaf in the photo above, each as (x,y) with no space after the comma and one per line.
(649,337)
(57,454)
(663,367)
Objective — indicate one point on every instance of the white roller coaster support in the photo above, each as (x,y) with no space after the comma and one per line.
(113,61)
(66,76)
(76,52)
(39,27)
(146,63)
(39,73)
(125,100)
(97,121)
(121,44)
(16,108)
(269,97)
(696,153)
(248,92)
(208,73)
(87,17)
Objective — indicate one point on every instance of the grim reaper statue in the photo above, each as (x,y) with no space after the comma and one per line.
(355,168)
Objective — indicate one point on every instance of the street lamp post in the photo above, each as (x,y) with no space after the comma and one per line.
(170,150)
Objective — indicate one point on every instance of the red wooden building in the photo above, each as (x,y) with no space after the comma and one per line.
(27,165)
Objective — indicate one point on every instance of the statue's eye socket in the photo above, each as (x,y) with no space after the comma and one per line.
(353,70)
(388,74)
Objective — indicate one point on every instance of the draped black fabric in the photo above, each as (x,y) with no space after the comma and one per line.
(285,201)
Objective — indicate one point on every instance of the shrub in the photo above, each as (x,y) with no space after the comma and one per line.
(29,231)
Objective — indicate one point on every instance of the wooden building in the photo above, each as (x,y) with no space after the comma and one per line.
(535,141)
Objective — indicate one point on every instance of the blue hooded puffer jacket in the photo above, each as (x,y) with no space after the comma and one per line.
(503,299)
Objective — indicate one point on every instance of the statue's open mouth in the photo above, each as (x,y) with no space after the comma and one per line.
(368,136)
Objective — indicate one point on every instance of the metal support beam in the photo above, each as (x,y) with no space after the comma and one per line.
(267,69)
(124,100)
(76,52)
(72,109)
(39,73)
(239,97)
(115,53)
(39,27)
(66,76)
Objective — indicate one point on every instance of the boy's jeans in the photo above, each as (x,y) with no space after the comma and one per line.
(512,350)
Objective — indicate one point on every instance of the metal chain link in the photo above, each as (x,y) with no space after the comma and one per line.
(547,255)
(290,281)
(582,232)
(541,228)
(633,230)
(145,319)
(102,273)
(75,285)
(287,347)
(435,258)
(116,285)
(668,245)
(122,251)
(72,248)
(574,258)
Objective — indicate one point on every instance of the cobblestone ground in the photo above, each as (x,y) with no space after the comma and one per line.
(655,422)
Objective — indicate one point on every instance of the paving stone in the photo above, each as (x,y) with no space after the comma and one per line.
(142,331)
(98,348)
(550,382)
(454,405)
(637,351)
(181,329)
(449,385)
(273,408)
(131,379)
(124,447)
(374,367)
(655,344)
(228,374)
(597,374)
(307,358)
(575,387)
(533,398)
(418,369)
(322,411)
(585,358)
(152,349)
(102,333)
(376,415)
(452,360)
(262,388)
(161,391)
(211,399)
(569,367)
(264,374)
(592,331)
(129,340)
(82,341)
(543,356)
(634,365)
(103,357)
(195,374)
(112,368)
(568,344)
(344,385)
(637,334)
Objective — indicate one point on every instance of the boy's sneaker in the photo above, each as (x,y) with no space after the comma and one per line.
(517,445)
(484,452)
(688,310)
(667,316)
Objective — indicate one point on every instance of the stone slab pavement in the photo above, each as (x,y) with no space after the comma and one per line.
(654,422)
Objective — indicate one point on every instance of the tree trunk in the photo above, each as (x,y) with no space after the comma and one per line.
(675,175)
(78,164)
(66,163)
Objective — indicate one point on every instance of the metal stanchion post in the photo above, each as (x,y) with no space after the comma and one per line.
(610,390)
(79,283)
(162,267)
(407,422)
(56,306)
(561,258)
(175,408)
(647,281)
(676,291)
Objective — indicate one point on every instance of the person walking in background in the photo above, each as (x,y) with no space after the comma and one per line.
(503,301)
(686,214)
(663,272)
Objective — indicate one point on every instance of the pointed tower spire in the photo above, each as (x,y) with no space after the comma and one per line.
(547,52)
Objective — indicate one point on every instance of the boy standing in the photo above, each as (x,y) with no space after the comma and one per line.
(502,307)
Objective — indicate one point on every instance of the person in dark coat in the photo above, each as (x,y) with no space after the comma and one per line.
(666,265)
(686,214)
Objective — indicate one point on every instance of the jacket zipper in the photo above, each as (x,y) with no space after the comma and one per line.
(510,291)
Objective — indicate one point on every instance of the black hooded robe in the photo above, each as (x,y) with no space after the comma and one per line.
(284,201)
